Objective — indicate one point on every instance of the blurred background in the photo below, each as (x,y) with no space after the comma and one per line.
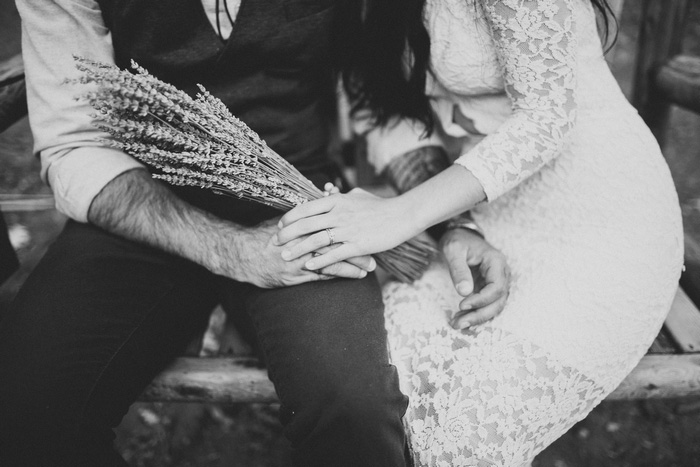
(638,433)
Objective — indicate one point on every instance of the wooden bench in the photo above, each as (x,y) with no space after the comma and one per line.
(670,369)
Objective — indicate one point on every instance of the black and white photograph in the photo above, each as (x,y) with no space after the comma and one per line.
(349,233)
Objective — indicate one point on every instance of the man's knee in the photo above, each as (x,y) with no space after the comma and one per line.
(372,397)
(362,401)
(349,421)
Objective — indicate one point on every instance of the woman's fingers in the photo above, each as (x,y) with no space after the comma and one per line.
(312,208)
(312,243)
(318,244)
(306,226)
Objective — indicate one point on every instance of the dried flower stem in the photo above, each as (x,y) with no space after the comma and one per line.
(197,142)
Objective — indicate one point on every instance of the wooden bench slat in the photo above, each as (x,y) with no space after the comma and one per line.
(11,69)
(683,323)
(661,376)
(26,203)
(222,380)
(230,380)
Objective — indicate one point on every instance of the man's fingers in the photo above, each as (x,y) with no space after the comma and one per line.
(496,275)
(343,269)
(489,294)
(366,262)
(305,226)
(462,278)
(466,319)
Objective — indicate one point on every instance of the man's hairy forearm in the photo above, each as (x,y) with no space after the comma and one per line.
(136,207)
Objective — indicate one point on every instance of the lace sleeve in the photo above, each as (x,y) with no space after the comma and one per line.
(535,44)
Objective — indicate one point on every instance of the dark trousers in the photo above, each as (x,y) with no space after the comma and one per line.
(8,258)
(101,316)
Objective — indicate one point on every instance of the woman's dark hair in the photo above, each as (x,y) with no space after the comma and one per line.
(377,41)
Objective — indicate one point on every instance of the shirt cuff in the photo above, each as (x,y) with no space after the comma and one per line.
(80,174)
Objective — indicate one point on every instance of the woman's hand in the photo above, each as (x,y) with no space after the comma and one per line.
(480,274)
(257,260)
(360,222)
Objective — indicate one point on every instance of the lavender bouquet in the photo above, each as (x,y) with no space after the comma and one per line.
(197,142)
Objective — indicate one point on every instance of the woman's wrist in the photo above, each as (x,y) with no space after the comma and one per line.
(405,221)
(447,194)
(412,168)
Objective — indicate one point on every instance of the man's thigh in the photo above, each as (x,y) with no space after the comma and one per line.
(95,321)
(320,338)
(326,352)
(337,323)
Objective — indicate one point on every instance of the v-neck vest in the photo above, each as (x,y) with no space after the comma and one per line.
(273,72)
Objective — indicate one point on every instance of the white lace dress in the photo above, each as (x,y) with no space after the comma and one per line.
(582,204)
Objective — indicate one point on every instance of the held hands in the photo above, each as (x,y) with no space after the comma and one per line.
(360,222)
(480,274)
(261,261)
(365,224)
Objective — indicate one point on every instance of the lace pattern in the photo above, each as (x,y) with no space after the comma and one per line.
(484,397)
(590,288)
(535,43)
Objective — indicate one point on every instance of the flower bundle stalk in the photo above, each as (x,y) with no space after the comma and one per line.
(197,142)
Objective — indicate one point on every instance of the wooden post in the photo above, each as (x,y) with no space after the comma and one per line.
(616,6)
(13,95)
(660,39)
(678,81)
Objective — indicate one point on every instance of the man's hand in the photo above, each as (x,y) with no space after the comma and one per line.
(480,274)
(260,261)
(138,208)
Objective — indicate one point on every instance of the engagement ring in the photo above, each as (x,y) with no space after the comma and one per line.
(330,236)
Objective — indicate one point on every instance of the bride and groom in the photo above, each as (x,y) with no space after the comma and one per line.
(554,167)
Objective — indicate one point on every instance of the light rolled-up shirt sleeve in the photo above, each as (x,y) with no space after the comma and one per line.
(392,140)
(76,162)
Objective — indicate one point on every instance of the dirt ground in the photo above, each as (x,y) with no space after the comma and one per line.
(616,434)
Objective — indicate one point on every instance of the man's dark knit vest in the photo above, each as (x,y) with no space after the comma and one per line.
(273,72)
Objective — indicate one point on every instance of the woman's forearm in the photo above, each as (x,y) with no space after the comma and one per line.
(445,195)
